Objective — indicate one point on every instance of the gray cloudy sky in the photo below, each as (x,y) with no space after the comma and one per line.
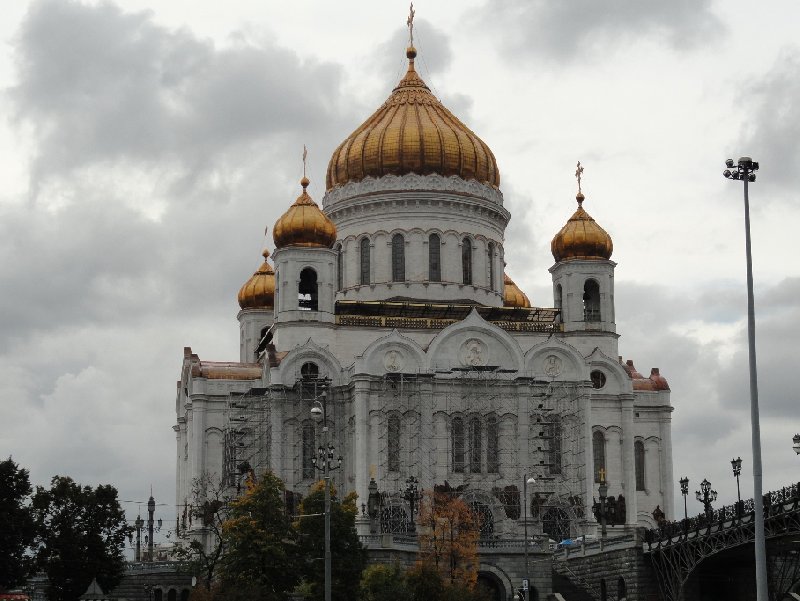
(144,148)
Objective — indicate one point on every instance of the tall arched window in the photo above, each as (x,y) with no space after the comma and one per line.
(308,450)
(557,299)
(398,258)
(457,434)
(591,301)
(622,590)
(599,452)
(554,448)
(490,259)
(638,460)
(466,261)
(492,445)
(393,443)
(475,446)
(364,258)
(603,590)
(339,271)
(307,294)
(434,258)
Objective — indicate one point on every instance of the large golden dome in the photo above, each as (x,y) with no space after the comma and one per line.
(512,295)
(304,224)
(412,133)
(581,238)
(259,291)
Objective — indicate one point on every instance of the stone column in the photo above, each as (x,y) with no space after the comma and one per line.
(361,435)
(197,448)
(628,462)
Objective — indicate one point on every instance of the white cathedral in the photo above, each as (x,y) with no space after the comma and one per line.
(390,305)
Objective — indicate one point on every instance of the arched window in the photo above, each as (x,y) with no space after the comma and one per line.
(554,434)
(492,445)
(622,590)
(393,443)
(309,371)
(591,301)
(308,450)
(490,259)
(457,433)
(398,258)
(466,260)
(339,270)
(434,258)
(475,445)
(557,297)
(638,459)
(599,452)
(307,293)
(603,590)
(364,255)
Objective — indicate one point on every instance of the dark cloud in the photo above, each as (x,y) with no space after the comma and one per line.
(102,85)
(565,30)
(772,127)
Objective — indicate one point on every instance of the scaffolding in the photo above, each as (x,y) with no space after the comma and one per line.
(247,435)
(476,433)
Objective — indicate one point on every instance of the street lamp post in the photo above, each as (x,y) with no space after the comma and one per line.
(325,462)
(736,464)
(744,171)
(684,482)
(706,496)
(796,443)
(525,482)
(413,496)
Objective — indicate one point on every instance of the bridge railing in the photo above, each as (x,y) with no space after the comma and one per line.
(741,512)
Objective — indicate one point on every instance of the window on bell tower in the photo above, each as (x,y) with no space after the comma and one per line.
(591,301)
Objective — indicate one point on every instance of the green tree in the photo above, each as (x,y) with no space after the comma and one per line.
(348,557)
(80,535)
(260,560)
(17,530)
(383,582)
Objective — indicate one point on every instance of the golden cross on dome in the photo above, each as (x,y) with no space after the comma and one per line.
(578,173)
(410,23)
(305,154)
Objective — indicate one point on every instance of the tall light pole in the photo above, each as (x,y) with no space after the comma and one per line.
(325,462)
(796,443)
(684,482)
(744,171)
(736,464)
(413,496)
(525,482)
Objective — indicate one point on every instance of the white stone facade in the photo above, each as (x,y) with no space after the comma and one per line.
(430,377)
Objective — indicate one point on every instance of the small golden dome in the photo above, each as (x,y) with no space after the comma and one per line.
(259,291)
(412,133)
(581,238)
(512,295)
(304,224)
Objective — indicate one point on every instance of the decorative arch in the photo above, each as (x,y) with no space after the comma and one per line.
(393,353)
(474,342)
(290,367)
(616,378)
(554,359)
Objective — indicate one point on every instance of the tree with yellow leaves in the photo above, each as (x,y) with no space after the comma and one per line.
(261,559)
(448,538)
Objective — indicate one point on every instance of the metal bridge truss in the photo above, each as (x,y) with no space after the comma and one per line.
(677,548)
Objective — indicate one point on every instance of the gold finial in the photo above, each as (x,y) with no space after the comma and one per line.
(410,23)
(601,472)
(305,154)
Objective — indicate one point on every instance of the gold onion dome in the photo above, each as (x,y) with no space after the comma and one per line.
(412,132)
(512,295)
(259,291)
(304,224)
(581,238)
